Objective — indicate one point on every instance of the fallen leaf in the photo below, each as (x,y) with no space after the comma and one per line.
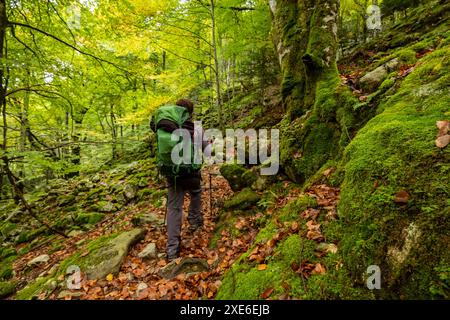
(443,141)
(443,126)
(401,197)
(267,293)
(109,277)
(319,269)
(262,267)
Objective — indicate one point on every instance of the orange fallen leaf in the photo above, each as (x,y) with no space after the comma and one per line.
(295,226)
(262,267)
(267,293)
(319,269)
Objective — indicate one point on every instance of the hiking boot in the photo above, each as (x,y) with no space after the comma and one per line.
(171,257)
(194,228)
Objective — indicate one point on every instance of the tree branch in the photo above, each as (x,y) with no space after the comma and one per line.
(12,23)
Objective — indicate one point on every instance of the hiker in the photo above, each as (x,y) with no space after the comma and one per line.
(182,180)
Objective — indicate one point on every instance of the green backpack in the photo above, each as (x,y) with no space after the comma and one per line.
(178,115)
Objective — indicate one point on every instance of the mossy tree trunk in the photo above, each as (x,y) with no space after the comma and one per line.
(305,36)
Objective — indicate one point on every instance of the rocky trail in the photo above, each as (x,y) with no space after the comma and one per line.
(132,265)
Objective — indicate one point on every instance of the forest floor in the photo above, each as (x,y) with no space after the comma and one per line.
(140,279)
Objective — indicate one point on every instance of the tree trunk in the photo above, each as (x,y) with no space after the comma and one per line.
(305,37)
(77,118)
(113,132)
(216,65)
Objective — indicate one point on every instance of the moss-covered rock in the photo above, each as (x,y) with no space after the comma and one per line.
(242,200)
(7,288)
(7,252)
(89,218)
(395,152)
(233,173)
(106,207)
(158,198)
(8,229)
(108,254)
(30,235)
(6,270)
(33,289)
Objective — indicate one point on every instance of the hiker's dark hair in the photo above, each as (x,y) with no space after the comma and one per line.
(188,104)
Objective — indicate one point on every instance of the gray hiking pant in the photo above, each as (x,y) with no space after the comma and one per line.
(175,215)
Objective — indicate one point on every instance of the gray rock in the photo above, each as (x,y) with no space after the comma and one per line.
(64,294)
(149,252)
(373,79)
(145,219)
(392,65)
(107,207)
(130,191)
(120,198)
(75,233)
(109,257)
(132,167)
(39,260)
(187,266)
(51,284)
(260,184)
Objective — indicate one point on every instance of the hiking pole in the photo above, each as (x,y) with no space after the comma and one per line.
(167,207)
(210,194)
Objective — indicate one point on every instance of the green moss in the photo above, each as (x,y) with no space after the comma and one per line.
(145,193)
(293,209)
(7,228)
(407,56)
(395,151)
(6,270)
(245,281)
(250,177)
(233,173)
(387,84)
(28,236)
(89,218)
(308,142)
(33,289)
(7,288)
(242,200)
(7,252)
(158,197)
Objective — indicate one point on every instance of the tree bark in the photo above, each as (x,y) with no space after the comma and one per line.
(306,40)
(216,65)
